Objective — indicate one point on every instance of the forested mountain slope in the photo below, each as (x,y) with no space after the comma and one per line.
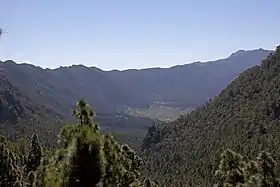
(20,117)
(244,117)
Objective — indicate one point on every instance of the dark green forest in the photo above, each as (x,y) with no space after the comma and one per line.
(84,157)
(88,158)
(244,118)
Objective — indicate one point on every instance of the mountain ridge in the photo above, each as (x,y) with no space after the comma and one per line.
(134,88)
(236,53)
(110,93)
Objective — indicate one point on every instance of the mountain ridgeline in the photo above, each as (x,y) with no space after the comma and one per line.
(244,117)
(108,91)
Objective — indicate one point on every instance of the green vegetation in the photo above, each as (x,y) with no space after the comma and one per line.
(234,170)
(244,117)
(20,116)
(85,158)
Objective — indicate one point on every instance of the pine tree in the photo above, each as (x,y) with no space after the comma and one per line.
(10,174)
(83,112)
(41,174)
(86,163)
(132,163)
(266,166)
(150,136)
(251,172)
(231,169)
(34,155)
(88,158)
(85,115)
(234,171)
(114,162)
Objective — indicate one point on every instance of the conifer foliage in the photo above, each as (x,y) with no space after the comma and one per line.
(86,158)
(34,155)
(83,112)
(235,170)
(10,174)
(89,158)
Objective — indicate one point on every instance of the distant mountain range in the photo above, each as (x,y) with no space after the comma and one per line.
(187,85)
(109,92)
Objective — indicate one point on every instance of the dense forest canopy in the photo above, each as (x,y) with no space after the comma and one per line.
(85,158)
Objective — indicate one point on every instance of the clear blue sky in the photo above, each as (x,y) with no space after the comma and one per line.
(121,34)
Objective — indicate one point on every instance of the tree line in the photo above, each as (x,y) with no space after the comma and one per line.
(85,158)
(88,158)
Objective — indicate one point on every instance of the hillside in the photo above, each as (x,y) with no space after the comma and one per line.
(20,117)
(244,117)
(111,91)
(177,86)
(59,94)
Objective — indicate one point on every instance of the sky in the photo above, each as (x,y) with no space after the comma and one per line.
(134,34)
